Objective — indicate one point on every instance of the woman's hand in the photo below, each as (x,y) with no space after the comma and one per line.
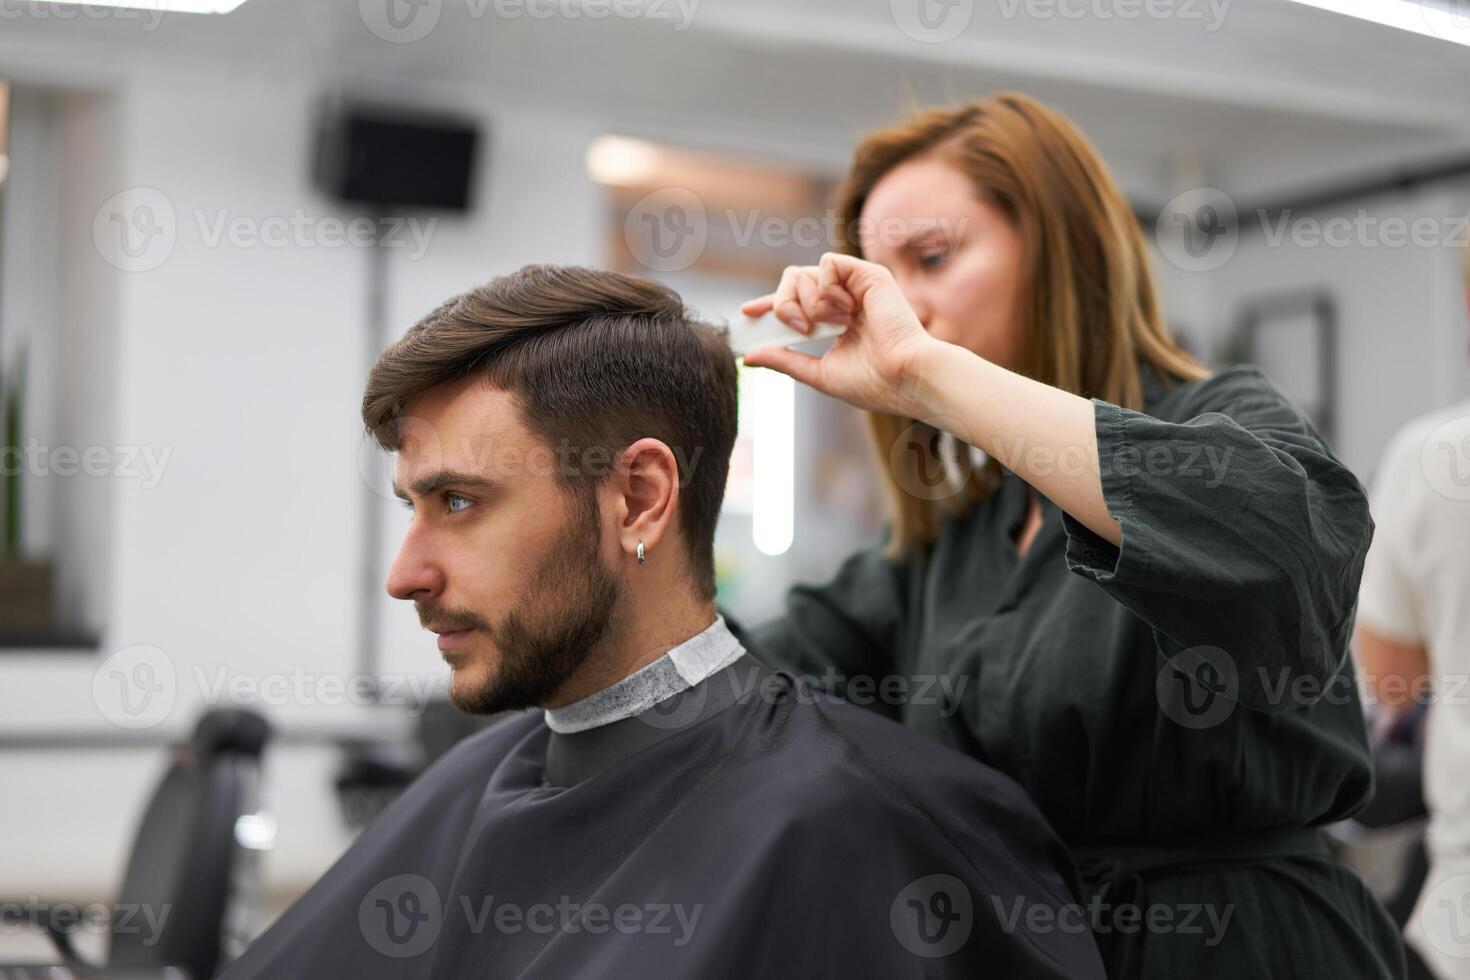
(874,364)
(887,362)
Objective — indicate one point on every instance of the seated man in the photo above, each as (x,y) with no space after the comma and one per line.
(674,809)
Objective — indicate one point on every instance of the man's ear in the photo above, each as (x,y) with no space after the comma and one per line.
(646,478)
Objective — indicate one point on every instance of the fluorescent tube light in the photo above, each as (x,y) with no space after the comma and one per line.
(171,6)
(1443,19)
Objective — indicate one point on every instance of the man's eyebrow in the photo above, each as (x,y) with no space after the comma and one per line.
(426,485)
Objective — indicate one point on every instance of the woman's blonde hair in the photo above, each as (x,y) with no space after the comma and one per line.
(1089,313)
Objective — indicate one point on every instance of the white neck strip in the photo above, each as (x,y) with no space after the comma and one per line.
(684,666)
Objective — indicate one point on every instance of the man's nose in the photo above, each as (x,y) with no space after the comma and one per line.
(413,575)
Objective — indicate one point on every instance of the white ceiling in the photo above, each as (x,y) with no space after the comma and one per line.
(1264,97)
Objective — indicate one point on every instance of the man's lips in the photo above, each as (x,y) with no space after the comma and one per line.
(449,639)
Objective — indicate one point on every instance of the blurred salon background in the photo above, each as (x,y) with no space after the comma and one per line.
(214,214)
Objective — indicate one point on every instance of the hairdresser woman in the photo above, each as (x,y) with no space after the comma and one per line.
(1137,601)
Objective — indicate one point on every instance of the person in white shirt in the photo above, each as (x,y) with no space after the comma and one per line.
(1413,643)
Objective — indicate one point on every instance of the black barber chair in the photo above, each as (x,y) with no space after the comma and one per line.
(186,854)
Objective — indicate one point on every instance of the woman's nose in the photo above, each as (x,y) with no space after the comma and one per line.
(918,300)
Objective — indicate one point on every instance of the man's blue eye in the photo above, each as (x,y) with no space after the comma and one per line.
(452,498)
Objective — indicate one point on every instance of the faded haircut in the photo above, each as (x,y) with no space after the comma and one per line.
(595,360)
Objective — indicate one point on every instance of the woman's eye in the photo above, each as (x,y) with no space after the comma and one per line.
(454,498)
(932,260)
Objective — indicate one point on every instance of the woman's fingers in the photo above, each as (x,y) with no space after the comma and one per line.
(873,288)
(787,306)
(759,306)
(870,365)
(827,275)
(803,367)
(805,297)
(808,294)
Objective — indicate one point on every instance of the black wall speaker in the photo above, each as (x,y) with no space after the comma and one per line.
(386,158)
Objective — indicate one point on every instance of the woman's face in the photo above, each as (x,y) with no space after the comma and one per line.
(955,256)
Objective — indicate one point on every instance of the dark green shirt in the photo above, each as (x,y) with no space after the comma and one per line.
(1192,685)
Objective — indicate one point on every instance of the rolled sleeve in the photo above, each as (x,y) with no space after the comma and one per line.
(1241,532)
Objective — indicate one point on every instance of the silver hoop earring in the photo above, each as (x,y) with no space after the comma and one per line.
(641,559)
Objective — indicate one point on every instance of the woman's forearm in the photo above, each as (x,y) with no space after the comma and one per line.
(1044,435)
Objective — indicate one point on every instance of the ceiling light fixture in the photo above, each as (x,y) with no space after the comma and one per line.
(1448,20)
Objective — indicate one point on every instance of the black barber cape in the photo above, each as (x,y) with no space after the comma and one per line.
(745,827)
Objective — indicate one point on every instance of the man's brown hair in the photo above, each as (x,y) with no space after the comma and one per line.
(596,360)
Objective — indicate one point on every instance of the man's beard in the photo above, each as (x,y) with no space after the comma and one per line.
(567,609)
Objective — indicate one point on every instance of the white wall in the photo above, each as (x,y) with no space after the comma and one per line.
(1404,343)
